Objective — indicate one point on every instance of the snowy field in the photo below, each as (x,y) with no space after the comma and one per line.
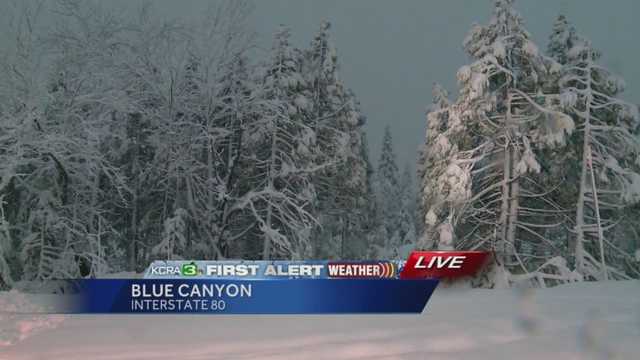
(581,321)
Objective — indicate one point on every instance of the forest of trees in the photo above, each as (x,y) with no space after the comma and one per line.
(536,159)
(125,139)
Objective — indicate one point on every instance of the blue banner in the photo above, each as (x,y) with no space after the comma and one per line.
(274,296)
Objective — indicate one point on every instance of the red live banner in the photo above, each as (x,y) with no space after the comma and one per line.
(443,264)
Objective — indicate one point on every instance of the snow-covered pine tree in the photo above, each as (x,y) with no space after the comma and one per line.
(216,103)
(335,117)
(563,37)
(143,138)
(408,208)
(20,95)
(371,225)
(219,90)
(564,164)
(504,117)
(236,108)
(320,69)
(187,100)
(78,120)
(53,140)
(608,149)
(388,192)
(280,145)
(353,179)
(560,166)
(445,181)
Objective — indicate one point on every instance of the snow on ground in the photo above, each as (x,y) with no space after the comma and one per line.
(577,321)
(21,317)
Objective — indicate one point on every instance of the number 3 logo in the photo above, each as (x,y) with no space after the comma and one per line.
(189,269)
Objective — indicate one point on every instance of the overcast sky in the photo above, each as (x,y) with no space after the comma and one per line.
(392,51)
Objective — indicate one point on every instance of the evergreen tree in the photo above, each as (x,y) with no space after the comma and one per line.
(608,149)
(336,118)
(388,194)
(563,37)
(502,118)
(282,146)
(370,225)
(407,209)
(55,177)
(444,183)
(237,108)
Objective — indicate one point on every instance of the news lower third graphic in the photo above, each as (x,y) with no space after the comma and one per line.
(278,287)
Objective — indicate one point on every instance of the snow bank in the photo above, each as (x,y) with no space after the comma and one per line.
(22,317)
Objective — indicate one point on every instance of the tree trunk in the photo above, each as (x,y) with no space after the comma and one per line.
(266,249)
(266,246)
(5,272)
(504,209)
(514,196)
(134,233)
(598,220)
(133,252)
(587,166)
(213,237)
(579,245)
